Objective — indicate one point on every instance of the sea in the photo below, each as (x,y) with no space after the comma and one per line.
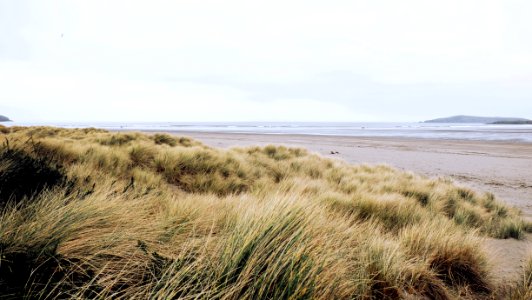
(448,131)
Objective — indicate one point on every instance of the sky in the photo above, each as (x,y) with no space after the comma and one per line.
(290,60)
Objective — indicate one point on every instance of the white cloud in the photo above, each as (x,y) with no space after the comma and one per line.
(94,98)
(80,56)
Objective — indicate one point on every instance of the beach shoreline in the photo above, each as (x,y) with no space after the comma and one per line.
(498,167)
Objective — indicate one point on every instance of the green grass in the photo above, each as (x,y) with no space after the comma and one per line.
(92,214)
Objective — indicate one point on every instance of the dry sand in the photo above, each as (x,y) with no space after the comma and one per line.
(502,168)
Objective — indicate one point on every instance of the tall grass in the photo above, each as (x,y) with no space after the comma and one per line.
(129,215)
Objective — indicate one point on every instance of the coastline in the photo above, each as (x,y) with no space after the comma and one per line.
(499,167)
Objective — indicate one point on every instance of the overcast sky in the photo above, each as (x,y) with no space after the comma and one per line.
(290,60)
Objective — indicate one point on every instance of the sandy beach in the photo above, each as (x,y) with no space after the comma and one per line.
(502,168)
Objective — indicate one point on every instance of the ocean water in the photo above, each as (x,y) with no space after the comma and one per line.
(488,132)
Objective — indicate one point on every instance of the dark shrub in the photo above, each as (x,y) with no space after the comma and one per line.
(22,175)
(40,268)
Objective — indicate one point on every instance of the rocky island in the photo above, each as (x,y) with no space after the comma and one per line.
(484,120)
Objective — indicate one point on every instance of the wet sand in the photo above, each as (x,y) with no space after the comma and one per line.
(502,168)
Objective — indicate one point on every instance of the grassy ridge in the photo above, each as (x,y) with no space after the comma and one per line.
(130,215)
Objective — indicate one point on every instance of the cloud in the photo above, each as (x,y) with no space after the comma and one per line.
(244,60)
(96,98)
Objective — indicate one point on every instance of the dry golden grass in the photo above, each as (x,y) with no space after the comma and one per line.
(129,215)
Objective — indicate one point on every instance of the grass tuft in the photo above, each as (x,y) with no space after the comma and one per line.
(162,139)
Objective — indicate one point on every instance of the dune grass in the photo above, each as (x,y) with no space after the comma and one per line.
(524,287)
(92,214)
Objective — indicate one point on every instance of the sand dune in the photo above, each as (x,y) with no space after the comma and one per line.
(502,168)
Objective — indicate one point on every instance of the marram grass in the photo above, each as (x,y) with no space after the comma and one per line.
(91,214)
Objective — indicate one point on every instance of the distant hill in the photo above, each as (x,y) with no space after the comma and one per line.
(475,119)
(519,122)
(4,119)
